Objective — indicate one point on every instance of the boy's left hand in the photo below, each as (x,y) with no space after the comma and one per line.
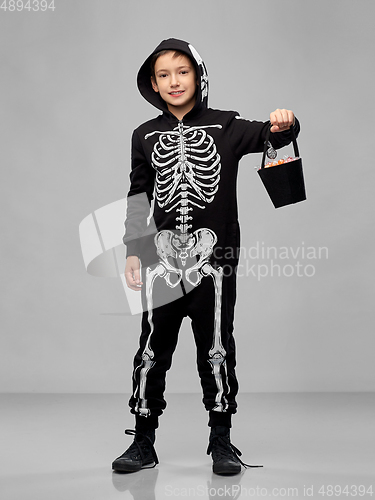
(281,120)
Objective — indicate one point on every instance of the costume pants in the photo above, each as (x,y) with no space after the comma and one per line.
(212,324)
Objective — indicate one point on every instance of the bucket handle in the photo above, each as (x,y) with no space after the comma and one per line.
(294,140)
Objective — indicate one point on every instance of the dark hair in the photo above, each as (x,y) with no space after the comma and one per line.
(155,57)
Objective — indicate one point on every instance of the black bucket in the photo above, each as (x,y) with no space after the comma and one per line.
(284,183)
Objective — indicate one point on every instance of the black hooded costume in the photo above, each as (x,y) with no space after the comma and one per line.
(189,249)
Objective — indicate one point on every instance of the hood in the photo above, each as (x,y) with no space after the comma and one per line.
(144,75)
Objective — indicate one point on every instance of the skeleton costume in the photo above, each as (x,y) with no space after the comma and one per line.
(189,249)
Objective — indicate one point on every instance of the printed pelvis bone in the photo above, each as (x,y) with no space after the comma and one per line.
(168,244)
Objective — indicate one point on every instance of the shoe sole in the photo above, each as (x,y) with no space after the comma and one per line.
(229,471)
(129,468)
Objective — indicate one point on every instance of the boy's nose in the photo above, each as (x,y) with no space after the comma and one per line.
(174,81)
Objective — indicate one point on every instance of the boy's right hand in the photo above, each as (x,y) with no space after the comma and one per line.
(132,273)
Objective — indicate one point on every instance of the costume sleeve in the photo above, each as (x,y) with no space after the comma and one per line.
(248,136)
(142,178)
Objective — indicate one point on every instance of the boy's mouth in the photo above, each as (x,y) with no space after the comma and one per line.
(176,93)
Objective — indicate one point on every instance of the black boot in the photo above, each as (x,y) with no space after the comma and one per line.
(225,456)
(141,453)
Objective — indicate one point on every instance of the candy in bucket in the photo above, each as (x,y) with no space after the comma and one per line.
(285,159)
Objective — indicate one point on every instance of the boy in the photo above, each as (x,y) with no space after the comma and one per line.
(187,158)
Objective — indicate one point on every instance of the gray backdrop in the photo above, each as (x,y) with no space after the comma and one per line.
(68,105)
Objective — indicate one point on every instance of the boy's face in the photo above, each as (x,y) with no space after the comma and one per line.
(176,81)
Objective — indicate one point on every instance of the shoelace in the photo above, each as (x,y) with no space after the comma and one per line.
(223,445)
(136,445)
